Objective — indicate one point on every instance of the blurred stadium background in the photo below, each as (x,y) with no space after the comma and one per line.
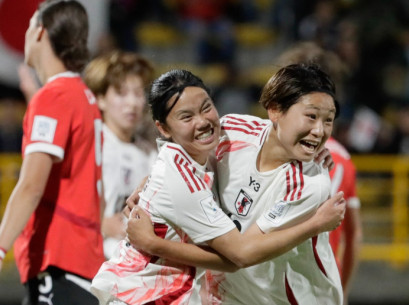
(232,45)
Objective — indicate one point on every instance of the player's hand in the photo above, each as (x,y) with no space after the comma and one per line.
(331,213)
(131,202)
(140,229)
(325,155)
(133,199)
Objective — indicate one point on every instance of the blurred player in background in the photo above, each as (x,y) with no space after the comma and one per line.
(119,81)
(346,239)
(54,212)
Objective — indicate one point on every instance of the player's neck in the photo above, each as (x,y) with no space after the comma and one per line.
(124,135)
(267,158)
(48,65)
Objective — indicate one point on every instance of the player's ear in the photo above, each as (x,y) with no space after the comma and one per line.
(102,104)
(273,115)
(163,129)
(40,34)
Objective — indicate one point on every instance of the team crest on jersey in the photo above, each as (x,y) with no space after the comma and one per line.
(243,203)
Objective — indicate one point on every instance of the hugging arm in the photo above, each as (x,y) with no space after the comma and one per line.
(233,249)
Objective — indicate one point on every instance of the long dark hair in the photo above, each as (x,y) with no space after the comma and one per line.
(67,26)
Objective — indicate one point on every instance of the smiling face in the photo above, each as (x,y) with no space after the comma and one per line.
(193,123)
(303,130)
(122,108)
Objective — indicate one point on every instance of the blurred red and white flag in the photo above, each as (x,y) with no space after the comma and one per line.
(14,18)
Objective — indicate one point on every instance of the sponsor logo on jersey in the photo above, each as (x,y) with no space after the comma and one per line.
(43,129)
(243,203)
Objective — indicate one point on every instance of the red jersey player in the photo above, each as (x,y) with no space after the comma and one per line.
(349,234)
(53,214)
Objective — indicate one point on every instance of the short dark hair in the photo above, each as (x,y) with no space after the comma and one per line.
(166,86)
(291,82)
(67,26)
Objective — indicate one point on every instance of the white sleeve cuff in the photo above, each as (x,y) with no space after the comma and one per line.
(354,203)
(51,149)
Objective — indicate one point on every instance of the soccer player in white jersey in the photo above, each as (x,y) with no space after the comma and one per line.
(118,80)
(266,175)
(180,198)
(346,239)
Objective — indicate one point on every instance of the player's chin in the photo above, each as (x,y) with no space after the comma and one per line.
(206,146)
(305,157)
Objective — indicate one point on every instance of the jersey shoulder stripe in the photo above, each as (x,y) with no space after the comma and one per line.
(294,181)
(181,152)
(187,171)
(249,127)
(230,146)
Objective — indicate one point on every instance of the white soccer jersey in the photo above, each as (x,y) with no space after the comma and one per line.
(275,199)
(183,208)
(124,165)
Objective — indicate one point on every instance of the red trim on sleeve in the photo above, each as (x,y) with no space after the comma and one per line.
(290,294)
(301,181)
(288,182)
(316,256)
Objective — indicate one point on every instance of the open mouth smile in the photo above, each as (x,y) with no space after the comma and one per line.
(310,146)
(206,135)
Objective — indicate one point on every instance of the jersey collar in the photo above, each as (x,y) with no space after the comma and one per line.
(63,74)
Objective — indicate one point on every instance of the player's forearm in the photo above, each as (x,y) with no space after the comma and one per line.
(20,207)
(260,247)
(350,260)
(25,197)
(353,240)
(189,254)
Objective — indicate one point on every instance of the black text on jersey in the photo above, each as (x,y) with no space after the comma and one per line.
(255,184)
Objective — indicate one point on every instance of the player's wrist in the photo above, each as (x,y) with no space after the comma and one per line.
(3,253)
(315,227)
(156,246)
